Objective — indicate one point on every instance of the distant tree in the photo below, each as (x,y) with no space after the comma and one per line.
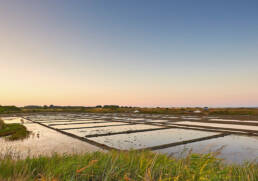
(32,107)
(7,109)
(111,106)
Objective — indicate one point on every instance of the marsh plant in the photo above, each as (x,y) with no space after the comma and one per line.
(129,166)
(13,131)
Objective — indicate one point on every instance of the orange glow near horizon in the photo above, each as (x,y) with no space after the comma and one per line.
(76,55)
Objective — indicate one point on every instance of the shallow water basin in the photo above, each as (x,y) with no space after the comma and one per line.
(43,141)
(151,138)
(244,127)
(86,125)
(233,148)
(112,129)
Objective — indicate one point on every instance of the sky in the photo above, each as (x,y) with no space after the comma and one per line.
(132,53)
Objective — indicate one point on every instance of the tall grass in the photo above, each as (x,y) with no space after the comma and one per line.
(129,166)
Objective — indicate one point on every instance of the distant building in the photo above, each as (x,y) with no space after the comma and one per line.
(197,111)
(206,108)
(136,111)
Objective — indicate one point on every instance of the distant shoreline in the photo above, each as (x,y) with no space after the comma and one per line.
(133,110)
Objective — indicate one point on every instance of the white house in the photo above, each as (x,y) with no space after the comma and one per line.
(197,111)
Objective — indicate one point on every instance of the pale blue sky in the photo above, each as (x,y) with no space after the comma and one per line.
(146,53)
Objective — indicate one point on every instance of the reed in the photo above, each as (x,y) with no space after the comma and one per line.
(129,166)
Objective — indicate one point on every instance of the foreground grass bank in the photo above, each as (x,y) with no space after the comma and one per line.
(13,131)
(127,166)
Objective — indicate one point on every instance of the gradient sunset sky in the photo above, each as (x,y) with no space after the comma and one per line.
(138,53)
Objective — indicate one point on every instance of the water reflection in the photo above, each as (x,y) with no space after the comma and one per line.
(232,148)
(43,141)
(46,141)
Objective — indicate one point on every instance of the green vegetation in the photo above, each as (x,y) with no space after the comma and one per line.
(210,111)
(126,166)
(126,109)
(13,131)
(234,111)
(172,111)
(9,109)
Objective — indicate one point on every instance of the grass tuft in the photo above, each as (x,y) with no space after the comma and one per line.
(13,131)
